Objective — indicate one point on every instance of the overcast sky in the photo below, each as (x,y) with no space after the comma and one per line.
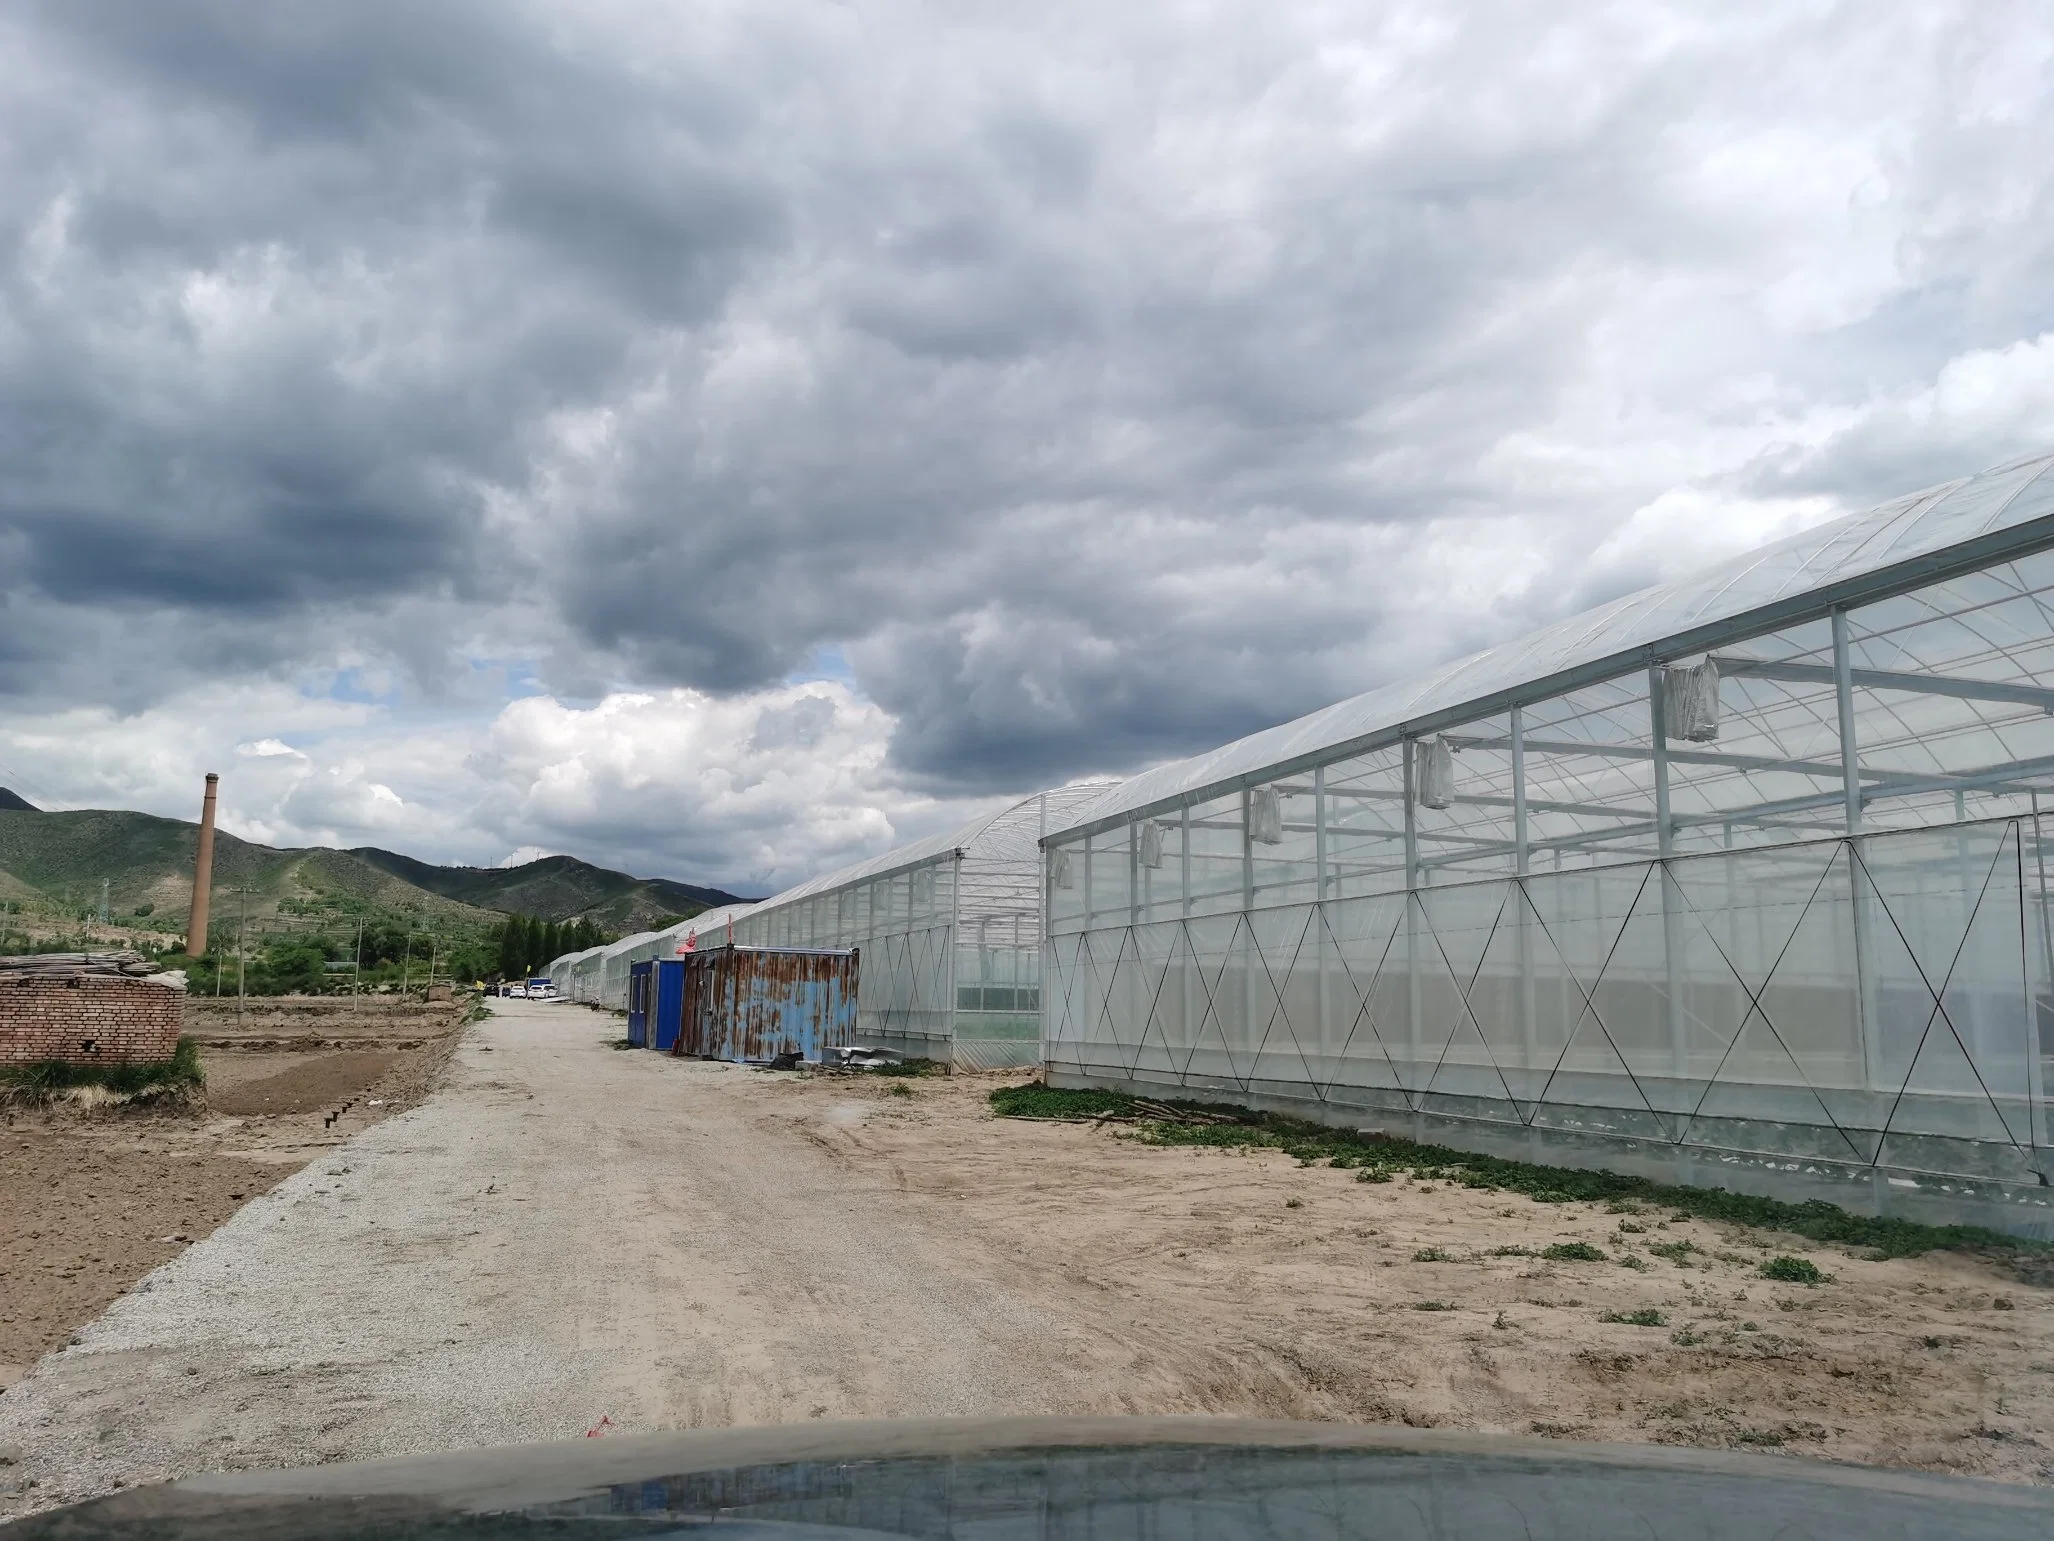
(720,440)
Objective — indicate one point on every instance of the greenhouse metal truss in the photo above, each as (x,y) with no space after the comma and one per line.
(1740,879)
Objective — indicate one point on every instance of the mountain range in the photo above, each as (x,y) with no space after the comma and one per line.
(59,861)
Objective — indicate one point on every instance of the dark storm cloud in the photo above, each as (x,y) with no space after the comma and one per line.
(1106,383)
(293,285)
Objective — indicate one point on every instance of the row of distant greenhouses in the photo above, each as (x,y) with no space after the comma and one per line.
(949,931)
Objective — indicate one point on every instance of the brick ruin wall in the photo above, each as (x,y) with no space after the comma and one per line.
(89,1021)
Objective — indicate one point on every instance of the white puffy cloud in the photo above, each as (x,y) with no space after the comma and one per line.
(767,788)
(749,792)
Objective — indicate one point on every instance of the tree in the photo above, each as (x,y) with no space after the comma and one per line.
(510,960)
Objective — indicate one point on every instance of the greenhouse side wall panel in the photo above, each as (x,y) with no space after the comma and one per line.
(1866,1020)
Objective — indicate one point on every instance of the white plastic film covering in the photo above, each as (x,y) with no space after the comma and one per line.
(2004,512)
(1715,1007)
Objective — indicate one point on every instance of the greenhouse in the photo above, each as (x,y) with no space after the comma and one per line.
(600,977)
(949,931)
(1740,880)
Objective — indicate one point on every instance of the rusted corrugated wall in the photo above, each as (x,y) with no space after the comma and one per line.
(754,1003)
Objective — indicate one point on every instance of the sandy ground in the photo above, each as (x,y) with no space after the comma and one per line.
(568,1237)
(91,1204)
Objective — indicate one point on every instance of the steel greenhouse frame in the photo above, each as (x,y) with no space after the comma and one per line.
(1738,880)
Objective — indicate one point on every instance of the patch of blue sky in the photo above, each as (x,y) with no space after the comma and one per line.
(355,686)
(828,661)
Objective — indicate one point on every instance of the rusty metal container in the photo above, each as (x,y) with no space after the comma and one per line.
(755,1003)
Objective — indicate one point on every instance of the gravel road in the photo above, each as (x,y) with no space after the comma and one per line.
(563,1234)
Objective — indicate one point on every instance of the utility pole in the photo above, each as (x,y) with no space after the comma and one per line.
(103,901)
(356,975)
(406,968)
(242,957)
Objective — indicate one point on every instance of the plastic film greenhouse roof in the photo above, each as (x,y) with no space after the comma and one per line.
(708,921)
(999,835)
(1952,528)
(628,944)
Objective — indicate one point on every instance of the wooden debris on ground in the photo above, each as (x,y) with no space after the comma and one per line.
(122,964)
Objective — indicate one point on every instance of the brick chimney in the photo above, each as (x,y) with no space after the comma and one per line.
(203,874)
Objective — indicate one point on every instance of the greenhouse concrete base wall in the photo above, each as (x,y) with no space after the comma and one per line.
(1922,1197)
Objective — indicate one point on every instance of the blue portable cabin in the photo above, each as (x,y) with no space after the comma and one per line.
(667,1009)
(755,1003)
(639,981)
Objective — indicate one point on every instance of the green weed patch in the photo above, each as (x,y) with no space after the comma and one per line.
(1038,1101)
(1379,1158)
(1793,1270)
(46,1080)
(1646,1316)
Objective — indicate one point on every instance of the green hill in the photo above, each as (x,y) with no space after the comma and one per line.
(556,888)
(55,863)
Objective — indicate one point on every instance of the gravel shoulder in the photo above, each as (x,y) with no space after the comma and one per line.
(568,1237)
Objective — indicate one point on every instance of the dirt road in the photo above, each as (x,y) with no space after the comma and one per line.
(564,1233)
(567,1233)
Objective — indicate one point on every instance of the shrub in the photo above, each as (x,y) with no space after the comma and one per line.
(1572,1252)
(1793,1270)
(1431,1255)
